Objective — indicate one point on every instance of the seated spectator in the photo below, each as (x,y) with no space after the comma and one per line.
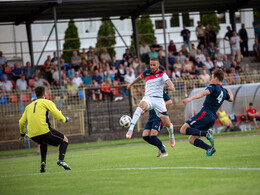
(54,60)
(223,118)
(198,63)
(96,77)
(181,57)
(156,46)
(218,54)
(108,76)
(92,55)
(1,71)
(162,60)
(83,54)
(121,73)
(188,64)
(162,50)
(226,63)
(2,59)
(140,69)
(127,54)
(46,62)
(71,73)
(46,74)
(144,51)
(209,64)
(219,62)
(72,89)
(205,77)
(105,56)
(16,72)
(21,84)
(40,82)
(171,59)
(253,114)
(233,76)
(114,62)
(86,78)
(106,89)
(235,66)
(75,60)
(55,76)
(77,80)
(28,71)
(130,76)
(135,63)
(176,73)
(184,51)
(193,52)
(96,91)
(7,85)
(113,71)
(65,80)
(203,50)
(172,47)
(177,64)
(200,56)
(256,49)
(212,50)
(153,53)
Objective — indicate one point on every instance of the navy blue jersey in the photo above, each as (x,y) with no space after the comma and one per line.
(216,97)
(152,114)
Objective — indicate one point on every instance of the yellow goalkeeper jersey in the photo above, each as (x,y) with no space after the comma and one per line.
(36,115)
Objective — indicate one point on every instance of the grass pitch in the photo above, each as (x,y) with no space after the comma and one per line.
(135,169)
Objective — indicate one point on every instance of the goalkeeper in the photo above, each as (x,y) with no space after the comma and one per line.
(36,115)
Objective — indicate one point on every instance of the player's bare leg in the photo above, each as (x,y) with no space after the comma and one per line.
(141,107)
(166,121)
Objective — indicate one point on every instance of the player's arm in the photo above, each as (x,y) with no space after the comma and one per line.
(170,85)
(57,113)
(168,103)
(231,98)
(139,78)
(22,122)
(197,96)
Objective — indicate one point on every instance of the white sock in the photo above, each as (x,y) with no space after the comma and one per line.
(170,129)
(135,118)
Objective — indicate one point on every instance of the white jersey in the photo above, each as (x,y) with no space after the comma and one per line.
(154,83)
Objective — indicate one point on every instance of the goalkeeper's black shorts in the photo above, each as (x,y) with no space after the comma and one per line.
(53,137)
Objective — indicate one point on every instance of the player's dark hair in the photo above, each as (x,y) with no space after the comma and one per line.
(154,59)
(250,104)
(219,74)
(39,91)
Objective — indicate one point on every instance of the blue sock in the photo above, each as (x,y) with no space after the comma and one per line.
(149,140)
(201,144)
(158,143)
(196,132)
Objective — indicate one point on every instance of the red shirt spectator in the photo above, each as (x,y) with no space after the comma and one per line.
(172,47)
(253,114)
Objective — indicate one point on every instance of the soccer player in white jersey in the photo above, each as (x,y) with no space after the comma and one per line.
(155,79)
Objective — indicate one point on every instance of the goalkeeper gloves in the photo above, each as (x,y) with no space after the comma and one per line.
(68,119)
(23,138)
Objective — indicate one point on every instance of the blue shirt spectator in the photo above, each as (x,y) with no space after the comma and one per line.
(72,73)
(2,58)
(97,77)
(86,78)
(28,71)
(114,62)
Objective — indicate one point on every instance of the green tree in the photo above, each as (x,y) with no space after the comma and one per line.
(73,44)
(257,14)
(212,20)
(106,37)
(145,32)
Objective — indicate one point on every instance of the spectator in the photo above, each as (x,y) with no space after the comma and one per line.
(223,118)
(205,77)
(55,76)
(77,80)
(162,60)
(253,114)
(84,54)
(92,55)
(218,54)
(96,91)
(212,50)
(171,59)
(39,82)
(181,57)
(162,50)
(198,63)
(153,53)
(140,69)
(121,73)
(130,77)
(226,63)
(219,62)
(135,63)
(256,49)
(47,71)
(65,80)
(71,73)
(244,40)
(177,63)
(127,54)
(185,33)
(176,73)
(16,72)
(156,46)
(72,89)
(108,76)
(235,66)
(54,60)
(172,47)
(21,84)
(106,89)
(96,77)
(211,35)
(105,56)
(188,65)
(256,25)
(144,51)
(84,64)
(184,51)
(235,45)
(200,56)
(209,64)
(203,50)
(193,52)
(200,33)
(234,77)
(114,62)
(7,85)
(228,35)
(28,71)
(2,59)
(75,60)
(86,78)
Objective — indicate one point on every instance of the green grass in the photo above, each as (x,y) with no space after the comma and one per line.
(88,175)
(111,143)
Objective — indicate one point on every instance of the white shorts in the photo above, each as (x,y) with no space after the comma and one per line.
(156,104)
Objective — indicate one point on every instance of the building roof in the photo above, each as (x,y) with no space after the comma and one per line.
(19,11)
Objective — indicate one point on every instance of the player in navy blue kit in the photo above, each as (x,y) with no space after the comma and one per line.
(154,126)
(200,124)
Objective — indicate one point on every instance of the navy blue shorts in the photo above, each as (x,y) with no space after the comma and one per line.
(203,120)
(157,125)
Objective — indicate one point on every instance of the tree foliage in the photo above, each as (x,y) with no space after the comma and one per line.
(71,32)
(257,14)
(106,37)
(212,20)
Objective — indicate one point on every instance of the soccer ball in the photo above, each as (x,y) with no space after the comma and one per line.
(125,121)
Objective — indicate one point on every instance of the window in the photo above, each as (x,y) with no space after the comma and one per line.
(222,18)
(175,21)
(187,20)
(159,24)
(238,17)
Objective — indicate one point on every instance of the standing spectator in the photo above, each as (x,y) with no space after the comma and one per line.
(153,53)
(2,59)
(16,72)
(86,78)
(256,49)
(96,77)
(54,60)
(21,84)
(212,50)
(256,25)
(75,60)
(172,47)
(244,40)
(127,54)
(200,56)
(77,80)
(156,46)
(7,85)
(28,71)
(200,32)
(144,51)
(181,57)
(253,114)
(162,60)
(105,56)
(235,45)
(185,33)
(228,35)
(211,35)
